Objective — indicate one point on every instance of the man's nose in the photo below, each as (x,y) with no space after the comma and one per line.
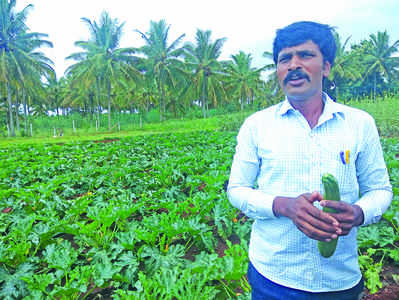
(295,63)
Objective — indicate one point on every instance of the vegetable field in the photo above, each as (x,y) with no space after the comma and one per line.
(140,218)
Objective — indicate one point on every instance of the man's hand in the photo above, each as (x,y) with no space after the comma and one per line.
(348,216)
(313,222)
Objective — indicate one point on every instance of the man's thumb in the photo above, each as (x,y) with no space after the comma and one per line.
(316,196)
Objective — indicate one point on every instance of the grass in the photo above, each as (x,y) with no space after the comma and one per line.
(229,122)
(385,112)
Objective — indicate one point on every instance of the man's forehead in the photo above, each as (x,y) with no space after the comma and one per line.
(308,45)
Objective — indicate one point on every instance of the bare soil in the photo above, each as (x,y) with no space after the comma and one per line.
(390,289)
(107,140)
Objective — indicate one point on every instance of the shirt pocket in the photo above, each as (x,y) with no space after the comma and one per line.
(339,160)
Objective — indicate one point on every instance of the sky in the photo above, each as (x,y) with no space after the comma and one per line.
(248,25)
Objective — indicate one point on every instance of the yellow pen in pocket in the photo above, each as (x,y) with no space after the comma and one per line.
(347,152)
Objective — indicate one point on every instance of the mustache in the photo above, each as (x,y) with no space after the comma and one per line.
(297,74)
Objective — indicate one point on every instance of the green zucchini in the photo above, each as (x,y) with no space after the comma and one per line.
(330,192)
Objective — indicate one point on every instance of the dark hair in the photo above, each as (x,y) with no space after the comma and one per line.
(300,32)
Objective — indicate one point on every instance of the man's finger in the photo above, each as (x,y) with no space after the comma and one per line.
(316,196)
(323,216)
(340,206)
(316,233)
(318,220)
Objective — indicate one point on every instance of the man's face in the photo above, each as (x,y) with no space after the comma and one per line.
(300,70)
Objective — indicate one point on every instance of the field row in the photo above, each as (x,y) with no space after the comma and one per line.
(144,217)
(139,218)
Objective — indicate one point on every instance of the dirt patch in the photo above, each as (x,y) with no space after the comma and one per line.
(69,237)
(106,141)
(390,292)
(101,293)
(222,245)
(191,253)
(202,186)
(390,289)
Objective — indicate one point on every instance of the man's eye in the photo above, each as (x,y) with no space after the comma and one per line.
(283,59)
(307,55)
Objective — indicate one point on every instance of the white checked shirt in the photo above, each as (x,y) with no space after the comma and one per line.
(278,154)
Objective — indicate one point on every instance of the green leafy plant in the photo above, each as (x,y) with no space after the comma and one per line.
(145,217)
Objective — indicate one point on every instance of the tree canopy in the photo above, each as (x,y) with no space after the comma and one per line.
(176,76)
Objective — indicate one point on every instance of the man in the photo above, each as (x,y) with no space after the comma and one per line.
(282,153)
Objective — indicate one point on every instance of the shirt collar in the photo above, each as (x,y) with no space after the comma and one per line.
(330,107)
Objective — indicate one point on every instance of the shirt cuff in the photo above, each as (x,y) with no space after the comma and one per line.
(260,205)
(253,203)
(374,204)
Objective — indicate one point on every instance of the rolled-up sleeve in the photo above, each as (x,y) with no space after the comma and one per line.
(244,172)
(372,174)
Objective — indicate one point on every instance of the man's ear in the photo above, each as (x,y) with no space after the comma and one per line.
(326,68)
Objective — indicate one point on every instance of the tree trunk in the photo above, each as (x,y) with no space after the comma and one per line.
(91,107)
(28,103)
(11,120)
(161,100)
(25,110)
(204,96)
(109,104)
(17,111)
(175,108)
(98,101)
(57,105)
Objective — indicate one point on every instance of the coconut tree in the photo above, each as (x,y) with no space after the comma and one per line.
(102,63)
(56,90)
(272,81)
(345,68)
(379,58)
(201,58)
(146,94)
(73,95)
(82,76)
(162,58)
(38,70)
(20,61)
(243,80)
(12,26)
